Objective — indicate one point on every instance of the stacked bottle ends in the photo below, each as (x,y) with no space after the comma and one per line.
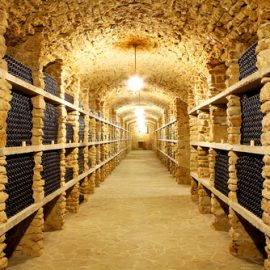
(51,85)
(247,62)
(250,182)
(18,69)
(222,172)
(19,120)
(20,181)
(251,127)
(50,129)
(51,171)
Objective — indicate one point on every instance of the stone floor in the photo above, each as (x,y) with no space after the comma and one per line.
(138,219)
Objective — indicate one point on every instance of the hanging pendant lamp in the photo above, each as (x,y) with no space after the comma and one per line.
(135,83)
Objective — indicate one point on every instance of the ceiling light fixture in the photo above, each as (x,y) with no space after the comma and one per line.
(135,83)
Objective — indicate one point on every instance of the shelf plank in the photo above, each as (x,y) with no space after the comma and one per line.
(169,123)
(168,140)
(245,85)
(259,150)
(173,160)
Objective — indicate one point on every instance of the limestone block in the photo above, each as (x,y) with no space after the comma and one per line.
(38,102)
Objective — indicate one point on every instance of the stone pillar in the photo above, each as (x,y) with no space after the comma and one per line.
(232,176)
(194,190)
(55,213)
(234,117)
(203,163)
(183,147)
(204,199)
(31,243)
(234,51)
(73,119)
(39,106)
(38,182)
(3,259)
(218,124)
(4,5)
(218,209)
(242,245)
(72,200)
(97,179)
(62,124)
(212,163)
(203,124)
(91,179)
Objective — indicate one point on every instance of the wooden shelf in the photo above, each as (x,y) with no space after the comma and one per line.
(13,221)
(245,85)
(168,140)
(259,150)
(173,160)
(32,90)
(170,123)
(246,214)
(7,151)
(105,121)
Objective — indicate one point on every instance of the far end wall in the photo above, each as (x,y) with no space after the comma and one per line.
(141,141)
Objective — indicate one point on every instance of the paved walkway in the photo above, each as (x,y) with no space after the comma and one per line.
(139,219)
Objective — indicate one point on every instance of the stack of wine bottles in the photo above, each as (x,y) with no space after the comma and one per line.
(18,69)
(50,129)
(69,133)
(81,160)
(51,85)
(247,62)
(250,182)
(20,181)
(19,120)
(251,128)
(81,128)
(51,171)
(69,98)
(69,174)
(222,172)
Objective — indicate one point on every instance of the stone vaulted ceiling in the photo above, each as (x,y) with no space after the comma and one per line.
(176,38)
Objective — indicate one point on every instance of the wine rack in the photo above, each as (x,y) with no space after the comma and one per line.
(50,129)
(222,172)
(250,182)
(51,85)
(69,174)
(18,69)
(251,128)
(19,120)
(20,180)
(51,171)
(247,62)
(69,133)
(81,160)
(81,128)
(69,98)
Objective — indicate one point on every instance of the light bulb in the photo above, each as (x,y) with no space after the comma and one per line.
(135,83)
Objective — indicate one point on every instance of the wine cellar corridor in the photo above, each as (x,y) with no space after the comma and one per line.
(138,219)
(135,134)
